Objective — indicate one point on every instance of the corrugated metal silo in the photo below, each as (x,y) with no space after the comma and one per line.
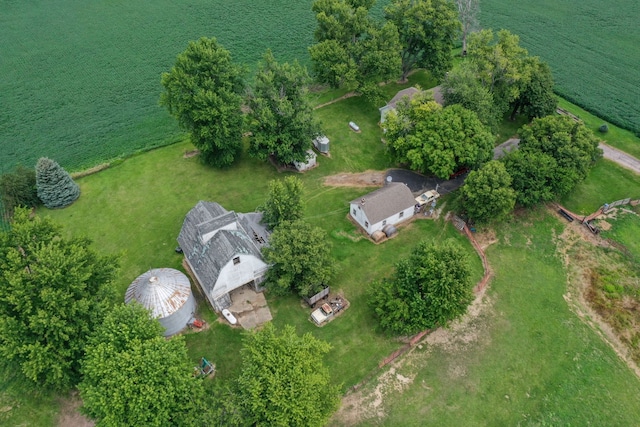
(167,294)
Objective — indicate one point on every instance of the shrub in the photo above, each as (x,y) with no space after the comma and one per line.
(18,188)
(603,128)
(55,186)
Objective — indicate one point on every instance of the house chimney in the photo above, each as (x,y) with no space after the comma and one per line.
(362,201)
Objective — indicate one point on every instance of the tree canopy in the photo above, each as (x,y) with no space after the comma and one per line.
(55,187)
(435,140)
(18,188)
(505,70)
(204,92)
(300,259)
(133,376)
(427,31)
(461,86)
(353,50)
(53,292)
(280,115)
(284,202)
(428,289)
(487,194)
(532,174)
(284,381)
(571,144)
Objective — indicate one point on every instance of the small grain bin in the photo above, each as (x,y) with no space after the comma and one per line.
(322,144)
(389,230)
(167,294)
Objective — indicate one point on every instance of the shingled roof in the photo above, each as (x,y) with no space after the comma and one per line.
(386,201)
(408,92)
(211,236)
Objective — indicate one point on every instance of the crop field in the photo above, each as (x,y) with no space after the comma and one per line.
(593,48)
(81,80)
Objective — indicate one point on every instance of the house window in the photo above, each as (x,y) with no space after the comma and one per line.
(236,260)
(384,222)
(354,211)
(366,223)
(400,215)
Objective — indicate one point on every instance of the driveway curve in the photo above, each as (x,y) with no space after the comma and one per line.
(418,183)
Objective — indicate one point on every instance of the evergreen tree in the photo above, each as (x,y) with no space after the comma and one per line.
(55,186)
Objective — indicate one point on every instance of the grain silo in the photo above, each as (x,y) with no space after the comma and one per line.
(167,294)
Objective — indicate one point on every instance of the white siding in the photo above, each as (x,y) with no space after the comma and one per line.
(394,219)
(360,217)
(232,276)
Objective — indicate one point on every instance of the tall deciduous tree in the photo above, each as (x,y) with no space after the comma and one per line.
(468,11)
(430,288)
(352,50)
(573,146)
(461,86)
(499,64)
(300,259)
(204,92)
(427,30)
(53,292)
(281,117)
(536,96)
(284,381)
(436,140)
(54,185)
(533,174)
(133,376)
(284,202)
(487,194)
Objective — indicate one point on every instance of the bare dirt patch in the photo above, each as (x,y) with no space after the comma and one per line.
(70,415)
(364,179)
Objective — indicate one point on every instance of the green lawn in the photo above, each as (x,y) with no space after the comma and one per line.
(526,360)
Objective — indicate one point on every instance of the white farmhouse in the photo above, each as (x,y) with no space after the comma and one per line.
(222,250)
(388,205)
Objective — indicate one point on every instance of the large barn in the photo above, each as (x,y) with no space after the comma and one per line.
(222,250)
(388,205)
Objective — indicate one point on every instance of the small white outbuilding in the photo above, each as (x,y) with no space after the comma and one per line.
(309,163)
(166,293)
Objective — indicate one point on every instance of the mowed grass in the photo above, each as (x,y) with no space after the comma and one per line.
(591,46)
(81,80)
(136,209)
(526,360)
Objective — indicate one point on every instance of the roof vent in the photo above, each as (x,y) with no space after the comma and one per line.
(362,201)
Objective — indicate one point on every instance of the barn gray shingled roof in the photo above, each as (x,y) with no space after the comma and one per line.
(208,258)
(386,201)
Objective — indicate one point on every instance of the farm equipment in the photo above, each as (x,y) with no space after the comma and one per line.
(205,368)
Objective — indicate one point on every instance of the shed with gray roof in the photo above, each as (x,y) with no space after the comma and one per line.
(391,204)
(222,250)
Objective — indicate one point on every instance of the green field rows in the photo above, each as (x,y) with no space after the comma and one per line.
(81,80)
(593,48)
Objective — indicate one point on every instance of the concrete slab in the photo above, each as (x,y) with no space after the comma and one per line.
(249,307)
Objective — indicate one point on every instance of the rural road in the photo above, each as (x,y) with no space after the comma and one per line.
(620,157)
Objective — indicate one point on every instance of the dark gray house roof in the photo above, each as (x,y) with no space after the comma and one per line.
(386,201)
(409,92)
(208,257)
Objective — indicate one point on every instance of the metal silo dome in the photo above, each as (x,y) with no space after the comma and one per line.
(166,293)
